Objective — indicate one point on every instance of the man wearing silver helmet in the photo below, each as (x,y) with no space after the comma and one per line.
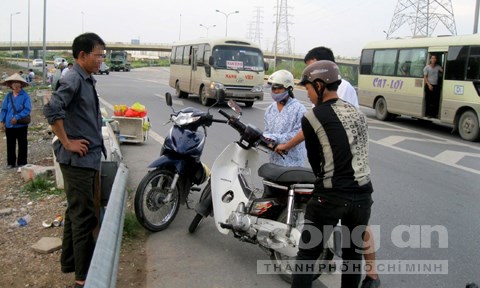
(336,139)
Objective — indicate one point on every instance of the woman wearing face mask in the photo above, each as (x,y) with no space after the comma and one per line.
(283,119)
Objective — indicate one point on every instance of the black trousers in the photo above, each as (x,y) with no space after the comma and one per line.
(80,220)
(15,135)
(322,215)
(432,101)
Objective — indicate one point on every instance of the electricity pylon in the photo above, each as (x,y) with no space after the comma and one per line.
(423,16)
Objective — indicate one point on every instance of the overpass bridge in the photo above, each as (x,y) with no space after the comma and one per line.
(159,47)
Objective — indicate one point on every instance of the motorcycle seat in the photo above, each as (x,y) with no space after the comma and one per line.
(286,175)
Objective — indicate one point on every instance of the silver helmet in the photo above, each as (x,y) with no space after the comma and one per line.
(323,70)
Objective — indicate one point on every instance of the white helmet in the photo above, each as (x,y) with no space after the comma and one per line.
(282,77)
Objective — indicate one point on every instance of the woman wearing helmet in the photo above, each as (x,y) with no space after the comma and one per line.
(336,140)
(283,118)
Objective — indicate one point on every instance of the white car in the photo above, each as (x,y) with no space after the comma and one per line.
(58,61)
(37,62)
(104,69)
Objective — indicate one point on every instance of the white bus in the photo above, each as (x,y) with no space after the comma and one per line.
(205,65)
(391,80)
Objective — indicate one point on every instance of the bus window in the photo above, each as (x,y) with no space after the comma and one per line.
(200,55)
(473,68)
(179,55)
(366,62)
(172,55)
(411,62)
(186,55)
(456,63)
(232,57)
(384,62)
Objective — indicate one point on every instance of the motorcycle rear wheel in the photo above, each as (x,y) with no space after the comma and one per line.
(277,257)
(150,209)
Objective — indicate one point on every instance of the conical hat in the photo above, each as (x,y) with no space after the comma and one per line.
(13,78)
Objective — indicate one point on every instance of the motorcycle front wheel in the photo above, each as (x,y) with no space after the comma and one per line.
(278,258)
(156,205)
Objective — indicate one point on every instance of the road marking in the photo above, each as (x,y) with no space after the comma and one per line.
(440,160)
(452,157)
(156,136)
(177,102)
(447,157)
(392,140)
(439,139)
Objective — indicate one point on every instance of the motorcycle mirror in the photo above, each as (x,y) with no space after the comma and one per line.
(232,104)
(168,99)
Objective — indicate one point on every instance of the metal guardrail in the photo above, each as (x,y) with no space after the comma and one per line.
(104,265)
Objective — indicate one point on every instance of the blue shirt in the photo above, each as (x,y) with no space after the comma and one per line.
(76,102)
(281,126)
(22,105)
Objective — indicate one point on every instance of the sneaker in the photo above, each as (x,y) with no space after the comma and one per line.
(9,166)
(370,283)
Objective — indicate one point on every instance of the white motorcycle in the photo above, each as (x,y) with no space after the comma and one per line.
(272,218)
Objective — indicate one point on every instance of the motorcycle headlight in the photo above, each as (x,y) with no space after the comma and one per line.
(216,86)
(258,88)
(184,119)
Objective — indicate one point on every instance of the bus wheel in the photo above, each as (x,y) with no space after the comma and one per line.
(203,97)
(468,126)
(381,111)
(179,92)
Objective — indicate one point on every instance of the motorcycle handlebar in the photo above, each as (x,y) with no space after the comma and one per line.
(219,121)
(241,128)
(225,114)
(234,122)
(268,143)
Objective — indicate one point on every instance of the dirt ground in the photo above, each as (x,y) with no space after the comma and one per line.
(20,265)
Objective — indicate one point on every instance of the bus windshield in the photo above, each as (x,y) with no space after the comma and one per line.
(237,58)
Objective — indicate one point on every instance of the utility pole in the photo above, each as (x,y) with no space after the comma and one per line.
(44,70)
(28,37)
(226,19)
(475,24)
(180,30)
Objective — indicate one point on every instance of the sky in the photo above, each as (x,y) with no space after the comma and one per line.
(343,25)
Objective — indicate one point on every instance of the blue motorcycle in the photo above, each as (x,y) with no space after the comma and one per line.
(170,180)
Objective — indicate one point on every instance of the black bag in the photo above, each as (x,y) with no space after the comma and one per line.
(25,120)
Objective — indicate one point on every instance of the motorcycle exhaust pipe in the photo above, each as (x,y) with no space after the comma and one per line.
(226,226)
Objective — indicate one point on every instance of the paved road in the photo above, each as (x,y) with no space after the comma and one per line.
(424,178)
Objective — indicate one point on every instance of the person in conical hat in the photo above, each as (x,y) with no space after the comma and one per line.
(16,105)
(15,78)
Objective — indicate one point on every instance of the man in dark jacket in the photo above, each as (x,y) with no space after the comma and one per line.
(336,139)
